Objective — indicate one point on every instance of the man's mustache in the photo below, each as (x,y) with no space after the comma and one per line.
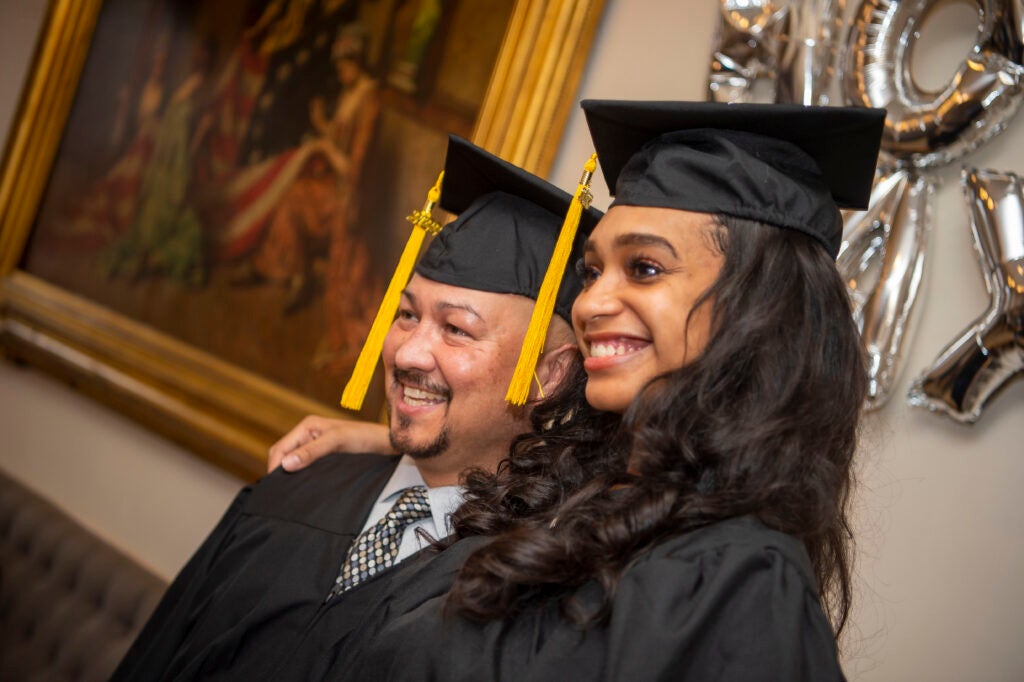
(417,379)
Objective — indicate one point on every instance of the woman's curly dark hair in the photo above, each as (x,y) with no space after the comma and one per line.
(763,423)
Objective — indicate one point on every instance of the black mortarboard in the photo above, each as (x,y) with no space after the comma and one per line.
(503,241)
(791,166)
(508,223)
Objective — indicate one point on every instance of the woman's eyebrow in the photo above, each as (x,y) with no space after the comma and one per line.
(644,239)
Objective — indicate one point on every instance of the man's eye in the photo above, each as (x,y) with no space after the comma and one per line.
(405,315)
(457,331)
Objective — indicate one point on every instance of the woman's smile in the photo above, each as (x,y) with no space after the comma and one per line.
(604,351)
(639,315)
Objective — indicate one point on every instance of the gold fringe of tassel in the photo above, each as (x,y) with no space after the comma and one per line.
(536,333)
(423,222)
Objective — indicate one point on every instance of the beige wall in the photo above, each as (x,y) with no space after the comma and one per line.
(20,24)
(938,520)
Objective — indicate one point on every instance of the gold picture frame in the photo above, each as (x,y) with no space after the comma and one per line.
(218,410)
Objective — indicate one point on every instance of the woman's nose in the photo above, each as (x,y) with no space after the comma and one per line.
(597,300)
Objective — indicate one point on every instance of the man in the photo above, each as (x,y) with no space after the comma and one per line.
(298,562)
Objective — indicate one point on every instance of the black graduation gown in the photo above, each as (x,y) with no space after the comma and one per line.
(249,603)
(733,601)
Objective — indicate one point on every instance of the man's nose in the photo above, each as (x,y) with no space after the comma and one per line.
(415,350)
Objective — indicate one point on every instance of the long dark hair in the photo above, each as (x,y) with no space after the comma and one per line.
(763,423)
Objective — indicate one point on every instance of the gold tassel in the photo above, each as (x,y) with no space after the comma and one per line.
(536,333)
(423,222)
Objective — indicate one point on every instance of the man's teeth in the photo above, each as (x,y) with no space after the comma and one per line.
(417,396)
(607,350)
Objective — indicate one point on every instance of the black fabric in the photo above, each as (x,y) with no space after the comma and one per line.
(786,165)
(711,171)
(509,221)
(734,601)
(249,604)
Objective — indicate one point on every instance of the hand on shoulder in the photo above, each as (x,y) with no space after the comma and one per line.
(315,437)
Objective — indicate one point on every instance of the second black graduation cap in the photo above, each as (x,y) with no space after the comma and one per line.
(787,165)
(508,223)
(503,241)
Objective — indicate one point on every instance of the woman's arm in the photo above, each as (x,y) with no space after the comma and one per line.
(314,437)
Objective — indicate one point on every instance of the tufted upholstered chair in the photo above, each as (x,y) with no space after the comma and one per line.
(70,604)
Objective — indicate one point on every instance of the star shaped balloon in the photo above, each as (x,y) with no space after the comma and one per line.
(990,352)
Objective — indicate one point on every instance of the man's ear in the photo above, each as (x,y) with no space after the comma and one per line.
(553,369)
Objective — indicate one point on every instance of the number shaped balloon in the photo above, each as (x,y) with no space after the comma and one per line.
(990,352)
(882,261)
(925,128)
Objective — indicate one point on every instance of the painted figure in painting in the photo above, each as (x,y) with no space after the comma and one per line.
(306,205)
(405,73)
(296,48)
(322,195)
(261,97)
(349,309)
(108,208)
(166,235)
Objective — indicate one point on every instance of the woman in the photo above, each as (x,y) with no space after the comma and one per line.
(310,199)
(165,235)
(703,536)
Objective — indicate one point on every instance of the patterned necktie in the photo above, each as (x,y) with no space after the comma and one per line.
(377,547)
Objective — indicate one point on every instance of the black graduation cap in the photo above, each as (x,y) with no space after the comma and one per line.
(791,166)
(508,223)
(514,234)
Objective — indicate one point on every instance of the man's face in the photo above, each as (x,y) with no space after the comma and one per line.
(448,359)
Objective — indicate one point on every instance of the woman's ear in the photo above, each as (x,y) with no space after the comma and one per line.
(553,368)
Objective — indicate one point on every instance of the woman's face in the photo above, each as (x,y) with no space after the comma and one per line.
(643,270)
(348,70)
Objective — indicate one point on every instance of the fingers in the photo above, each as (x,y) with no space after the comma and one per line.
(305,431)
(303,456)
(314,437)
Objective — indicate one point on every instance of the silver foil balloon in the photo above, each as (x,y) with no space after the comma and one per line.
(775,51)
(882,260)
(926,128)
(806,60)
(990,352)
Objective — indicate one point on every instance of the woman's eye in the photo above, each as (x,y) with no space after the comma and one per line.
(641,268)
(587,273)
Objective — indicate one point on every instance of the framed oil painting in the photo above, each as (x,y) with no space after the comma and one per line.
(201,203)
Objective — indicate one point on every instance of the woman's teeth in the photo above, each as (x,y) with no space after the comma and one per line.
(606,350)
